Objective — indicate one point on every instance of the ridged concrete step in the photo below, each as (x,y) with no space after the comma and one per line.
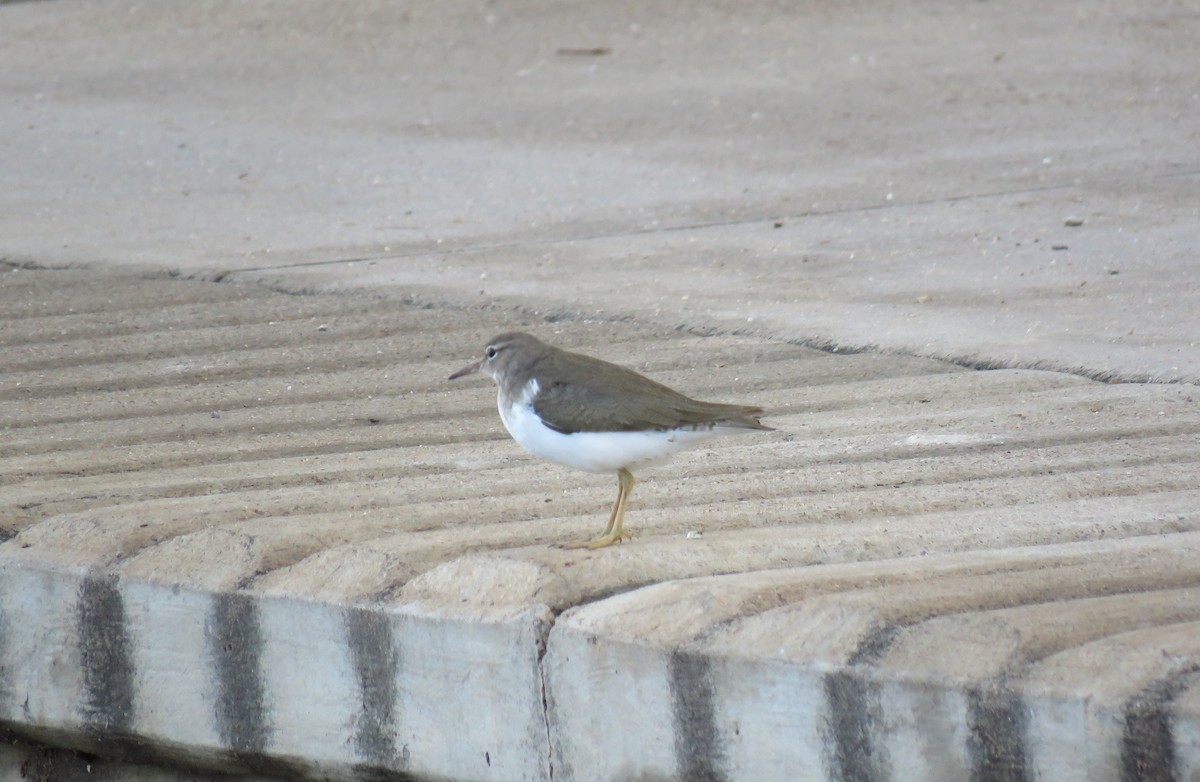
(259,533)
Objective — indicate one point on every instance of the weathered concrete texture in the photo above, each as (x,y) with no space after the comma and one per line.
(258,534)
(20,760)
(935,668)
(1001,183)
(255,533)
(281,687)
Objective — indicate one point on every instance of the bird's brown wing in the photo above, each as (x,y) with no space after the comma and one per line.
(628,402)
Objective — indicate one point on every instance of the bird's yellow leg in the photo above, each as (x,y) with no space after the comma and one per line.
(615,529)
(617,504)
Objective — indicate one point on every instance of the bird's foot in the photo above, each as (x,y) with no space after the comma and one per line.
(601,541)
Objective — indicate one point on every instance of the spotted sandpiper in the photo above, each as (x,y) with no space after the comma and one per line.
(582,412)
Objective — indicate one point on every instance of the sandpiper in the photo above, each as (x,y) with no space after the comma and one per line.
(582,412)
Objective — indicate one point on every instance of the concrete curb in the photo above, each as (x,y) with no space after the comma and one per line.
(240,683)
(249,684)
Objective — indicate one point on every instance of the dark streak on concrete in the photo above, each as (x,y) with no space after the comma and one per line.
(997,720)
(1147,741)
(376,663)
(699,756)
(106,656)
(853,708)
(235,644)
(874,645)
(6,694)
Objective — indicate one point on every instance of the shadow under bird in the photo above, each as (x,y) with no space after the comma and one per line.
(582,412)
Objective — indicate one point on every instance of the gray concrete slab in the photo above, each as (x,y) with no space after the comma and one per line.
(286,546)
(928,164)
(256,534)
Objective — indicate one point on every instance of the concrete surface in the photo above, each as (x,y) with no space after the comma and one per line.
(256,532)
(252,533)
(923,161)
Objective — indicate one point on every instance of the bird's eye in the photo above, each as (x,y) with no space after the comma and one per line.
(490,352)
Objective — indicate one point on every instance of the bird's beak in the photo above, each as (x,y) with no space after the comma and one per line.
(467,370)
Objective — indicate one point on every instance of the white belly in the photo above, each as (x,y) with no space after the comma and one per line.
(595,451)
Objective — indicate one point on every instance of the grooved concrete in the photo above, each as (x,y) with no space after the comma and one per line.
(246,532)
(297,550)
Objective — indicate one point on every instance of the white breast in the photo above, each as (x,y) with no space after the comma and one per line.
(593,451)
